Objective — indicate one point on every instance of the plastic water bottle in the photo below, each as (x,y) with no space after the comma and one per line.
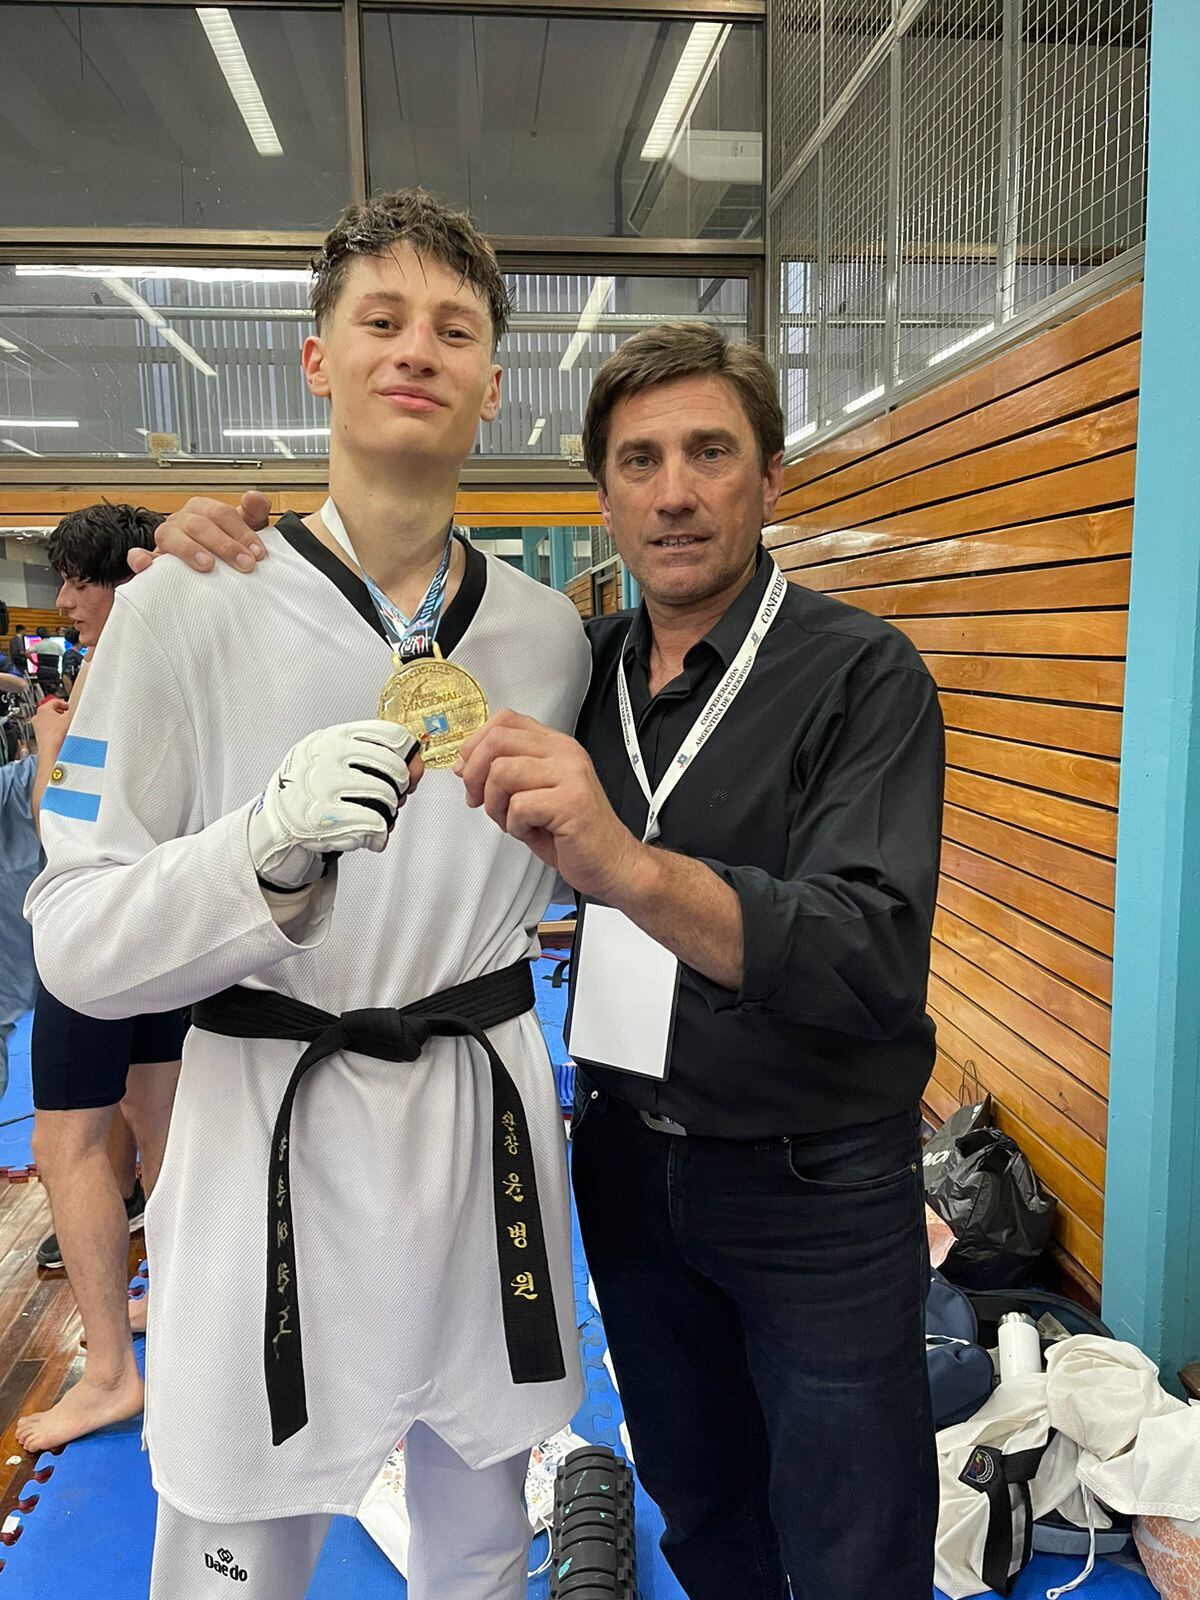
(1020,1345)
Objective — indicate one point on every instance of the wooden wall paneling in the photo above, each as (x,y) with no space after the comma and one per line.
(1065,1004)
(1086,585)
(1027,458)
(1058,909)
(1081,537)
(1087,683)
(956,1027)
(1086,486)
(1062,772)
(35,619)
(1091,828)
(1071,633)
(1101,327)
(579,591)
(1086,969)
(1099,381)
(1089,876)
(1070,1052)
(1090,731)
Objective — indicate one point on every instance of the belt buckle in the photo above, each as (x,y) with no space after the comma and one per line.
(662,1124)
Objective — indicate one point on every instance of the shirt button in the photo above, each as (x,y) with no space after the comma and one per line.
(595,1094)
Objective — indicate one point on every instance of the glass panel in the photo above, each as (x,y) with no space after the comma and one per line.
(119,361)
(551,555)
(26,576)
(571,126)
(162,117)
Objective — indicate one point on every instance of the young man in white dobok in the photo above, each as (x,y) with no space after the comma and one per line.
(411,1203)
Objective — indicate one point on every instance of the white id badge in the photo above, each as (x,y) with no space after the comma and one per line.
(623,990)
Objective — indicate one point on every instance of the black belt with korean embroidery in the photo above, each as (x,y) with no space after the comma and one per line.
(530,1325)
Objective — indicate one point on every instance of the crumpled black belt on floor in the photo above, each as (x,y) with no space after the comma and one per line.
(400,1034)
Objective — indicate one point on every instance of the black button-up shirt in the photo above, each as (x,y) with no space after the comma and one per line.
(818,799)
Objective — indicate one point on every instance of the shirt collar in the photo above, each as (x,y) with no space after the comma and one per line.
(725,637)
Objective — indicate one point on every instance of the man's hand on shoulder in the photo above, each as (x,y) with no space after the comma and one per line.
(204,529)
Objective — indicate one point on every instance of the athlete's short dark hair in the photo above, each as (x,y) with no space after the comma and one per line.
(90,545)
(426,223)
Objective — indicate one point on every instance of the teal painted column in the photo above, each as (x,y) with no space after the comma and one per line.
(1152,1206)
(531,538)
(631,589)
(562,557)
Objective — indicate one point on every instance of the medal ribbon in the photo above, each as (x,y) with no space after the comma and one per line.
(408,636)
(709,719)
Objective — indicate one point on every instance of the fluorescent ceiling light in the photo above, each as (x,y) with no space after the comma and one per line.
(536,434)
(148,314)
(181,274)
(282,448)
(865,399)
(962,344)
(23,448)
(275,433)
(691,74)
(7,344)
(588,318)
(37,422)
(231,58)
(800,433)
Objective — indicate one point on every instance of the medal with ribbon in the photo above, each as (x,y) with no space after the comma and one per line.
(438,701)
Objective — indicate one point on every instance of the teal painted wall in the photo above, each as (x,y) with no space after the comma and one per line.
(1152,1202)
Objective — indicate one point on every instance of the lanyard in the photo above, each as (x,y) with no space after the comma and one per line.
(706,723)
(408,636)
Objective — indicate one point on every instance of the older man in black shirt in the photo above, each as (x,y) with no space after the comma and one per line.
(753,1219)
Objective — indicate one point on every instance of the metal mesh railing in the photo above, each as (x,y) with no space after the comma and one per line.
(853,277)
(1081,169)
(850,28)
(988,160)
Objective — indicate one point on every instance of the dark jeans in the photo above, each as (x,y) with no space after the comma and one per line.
(764,1308)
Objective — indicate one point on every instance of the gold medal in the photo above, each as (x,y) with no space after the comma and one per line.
(438,702)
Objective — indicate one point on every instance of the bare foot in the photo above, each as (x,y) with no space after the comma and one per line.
(137,1313)
(81,1410)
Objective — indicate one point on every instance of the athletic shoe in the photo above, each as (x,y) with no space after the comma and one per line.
(50,1256)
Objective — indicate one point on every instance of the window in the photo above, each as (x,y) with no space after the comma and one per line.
(571,126)
(172,117)
(199,361)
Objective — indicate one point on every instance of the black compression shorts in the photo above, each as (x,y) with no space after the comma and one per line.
(80,1063)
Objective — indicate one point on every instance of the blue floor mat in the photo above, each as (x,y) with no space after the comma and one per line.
(351,1556)
(16,1106)
(91,1531)
(551,1003)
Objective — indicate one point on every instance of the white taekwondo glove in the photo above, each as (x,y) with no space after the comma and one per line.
(339,789)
